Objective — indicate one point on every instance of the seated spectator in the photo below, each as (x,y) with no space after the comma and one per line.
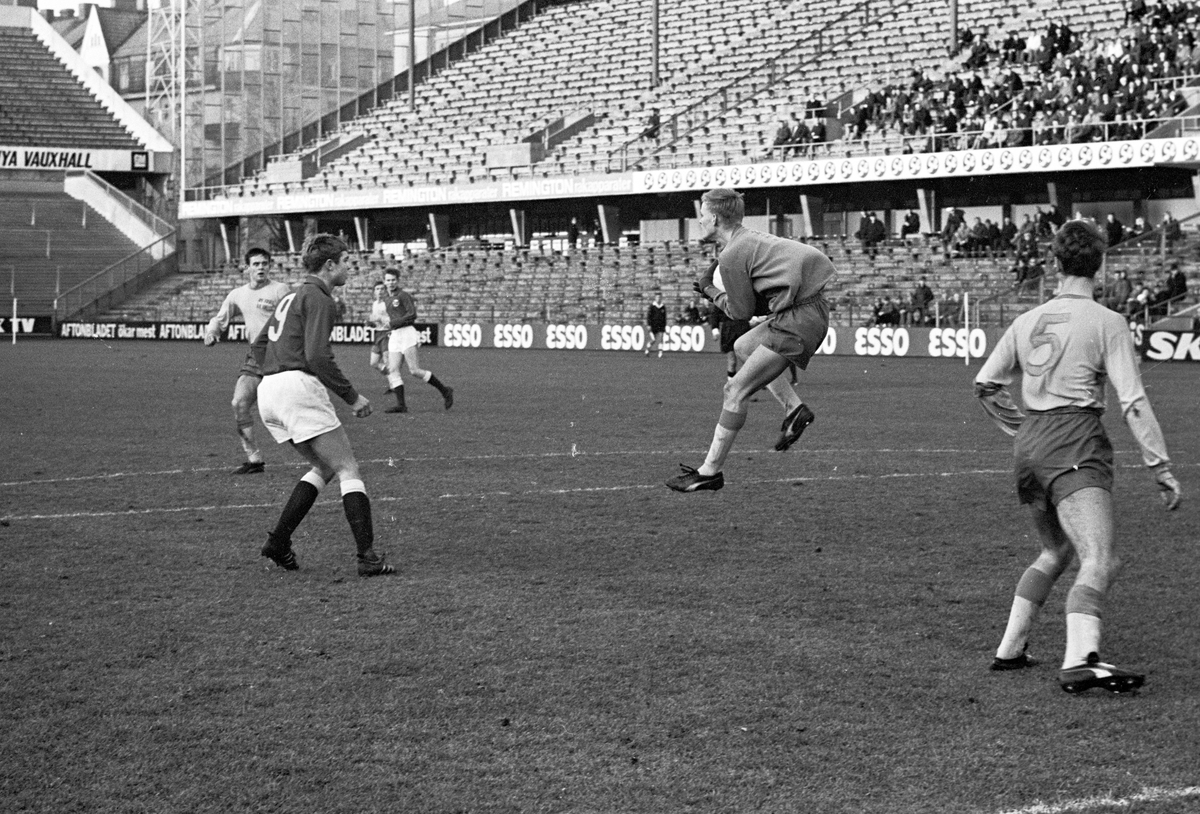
(950,311)
(1006,239)
(1118,292)
(1013,47)
(691,314)
(1140,296)
(1160,298)
(782,142)
(960,242)
(1028,271)
(912,225)
(818,136)
(801,138)
(877,312)
(890,313)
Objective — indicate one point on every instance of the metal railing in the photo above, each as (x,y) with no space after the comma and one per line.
(159,225)
(104,287)
(847,26)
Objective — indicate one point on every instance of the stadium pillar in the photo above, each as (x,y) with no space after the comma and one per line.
(1059,197)
(362,228)
(1196,186)
(291,237)
(439,227)
(927,207)
(812,209)
(610,223)
(520,226)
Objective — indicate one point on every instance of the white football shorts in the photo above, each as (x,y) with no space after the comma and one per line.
(295,406)
(403,338)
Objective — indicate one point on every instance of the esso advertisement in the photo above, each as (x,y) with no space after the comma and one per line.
(566,337)
(459,335)
(881,342)
(684,338)
(1177,346)
(512,336)
(622,337)
(957,343)
(829,346)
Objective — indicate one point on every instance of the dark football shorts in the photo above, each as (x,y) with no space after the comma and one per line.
(250,367)
(796,332)
(731,331)
(1059,452)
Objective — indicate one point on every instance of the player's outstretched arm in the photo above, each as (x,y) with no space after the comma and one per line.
(999,405)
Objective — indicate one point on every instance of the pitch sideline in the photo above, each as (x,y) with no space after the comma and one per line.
(520,493)
(1082,806)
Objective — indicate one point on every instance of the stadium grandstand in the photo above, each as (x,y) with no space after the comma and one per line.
(542,161)
(75,160)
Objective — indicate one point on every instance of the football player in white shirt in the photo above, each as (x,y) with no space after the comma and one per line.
(1066,350)
(255,301)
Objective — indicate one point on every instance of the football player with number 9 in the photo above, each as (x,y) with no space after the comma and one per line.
(1067,348)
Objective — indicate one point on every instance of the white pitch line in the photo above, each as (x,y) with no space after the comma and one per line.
(1150,795)
(525,493)
(392,461)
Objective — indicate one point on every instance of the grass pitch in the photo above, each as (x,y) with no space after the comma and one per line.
(566,634)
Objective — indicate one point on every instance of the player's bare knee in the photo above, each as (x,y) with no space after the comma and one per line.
(735,393)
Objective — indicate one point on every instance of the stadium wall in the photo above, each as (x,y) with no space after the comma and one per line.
(945,343)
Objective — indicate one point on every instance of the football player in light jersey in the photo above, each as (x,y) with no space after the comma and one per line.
(299,372)
(1066,349)
(757,274)
(403,343)
(255,301)
(378,322)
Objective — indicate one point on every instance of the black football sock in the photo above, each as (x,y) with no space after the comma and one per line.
(303,496)
(437,383)
(358,514)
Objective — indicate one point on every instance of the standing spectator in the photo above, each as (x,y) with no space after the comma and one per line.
(1178,286)
(922,300)
(1064,459)
(653,123)
(871,232)
(255,301)
(763,275)
(298,370)
(1055,218)
(656,320)
(1114,230)
(1172,231)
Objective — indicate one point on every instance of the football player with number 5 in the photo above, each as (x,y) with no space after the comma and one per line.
(1066,349)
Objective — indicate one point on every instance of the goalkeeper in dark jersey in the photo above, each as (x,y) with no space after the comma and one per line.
(299,372)
(759,275)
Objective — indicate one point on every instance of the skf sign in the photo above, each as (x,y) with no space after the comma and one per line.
(1163,346)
